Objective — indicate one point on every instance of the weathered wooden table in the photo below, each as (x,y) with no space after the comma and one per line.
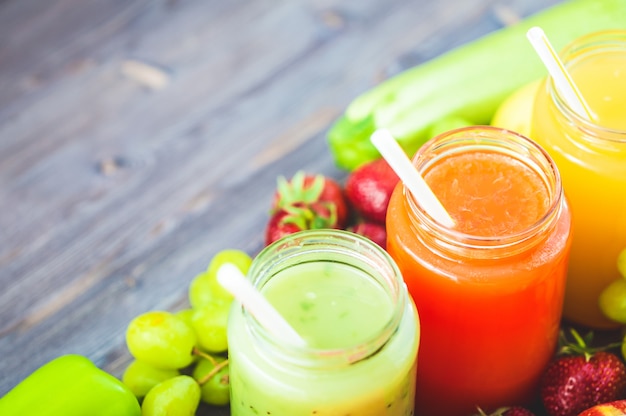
(138,138)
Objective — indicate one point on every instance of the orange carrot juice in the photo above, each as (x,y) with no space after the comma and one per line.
(489,291)
(591,157)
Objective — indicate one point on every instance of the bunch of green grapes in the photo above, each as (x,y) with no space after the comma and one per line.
(612,300)
(181,358)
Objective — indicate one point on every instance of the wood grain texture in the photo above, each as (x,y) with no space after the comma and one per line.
(140,137)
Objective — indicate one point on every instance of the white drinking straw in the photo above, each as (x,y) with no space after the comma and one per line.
(562,79)
(408,174)
(234,281)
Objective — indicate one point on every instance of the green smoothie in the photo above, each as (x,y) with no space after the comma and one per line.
(338,309)
(331,305)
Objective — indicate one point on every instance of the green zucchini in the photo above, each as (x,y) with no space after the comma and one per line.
(464,85)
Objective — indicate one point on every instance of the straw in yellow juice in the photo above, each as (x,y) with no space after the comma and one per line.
(591,157)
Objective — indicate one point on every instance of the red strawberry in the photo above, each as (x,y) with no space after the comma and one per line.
(616,408)
(590,376)
(310,189)
(369,187)
(372,230)
(298,217)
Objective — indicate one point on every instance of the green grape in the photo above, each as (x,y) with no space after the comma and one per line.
(178,396)
(215,389)
(140,377)
(203,290)
(185,315)
(612,301)
(237,257)
(621,263)
(161,339)
(209,323)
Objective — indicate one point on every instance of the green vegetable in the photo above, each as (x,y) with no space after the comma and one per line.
(70,385)
(468,82)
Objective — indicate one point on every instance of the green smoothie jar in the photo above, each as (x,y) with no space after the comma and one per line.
(346,297)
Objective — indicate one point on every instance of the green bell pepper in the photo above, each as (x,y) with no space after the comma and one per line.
(70,385)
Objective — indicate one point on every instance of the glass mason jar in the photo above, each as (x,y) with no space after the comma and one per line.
(591,156)
(490,290)
(345,296)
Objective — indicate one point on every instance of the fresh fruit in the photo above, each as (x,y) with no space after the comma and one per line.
(581,377)
(210,323)
(299,217)
(201,292)
(369,188)
(615,408)
(161,339)
(185,315)
(284,222)
(213,376)
(515,112)
(177,396)
(239,258)
(305,190)
(306,202)
(163,343)
(204,288)
(612,301)
(372,230)
(140,377)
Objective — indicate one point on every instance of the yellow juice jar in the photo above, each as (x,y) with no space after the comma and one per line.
(591,157)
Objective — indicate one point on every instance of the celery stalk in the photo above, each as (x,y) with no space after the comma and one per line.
(468,82)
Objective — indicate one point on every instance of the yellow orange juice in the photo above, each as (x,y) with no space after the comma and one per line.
(591,157)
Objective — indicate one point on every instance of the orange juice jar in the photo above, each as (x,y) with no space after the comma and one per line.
(591,157)
(490,290)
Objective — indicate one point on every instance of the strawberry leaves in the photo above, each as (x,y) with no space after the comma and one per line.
(317,192)
(305,202)
(295,191)
(581,345)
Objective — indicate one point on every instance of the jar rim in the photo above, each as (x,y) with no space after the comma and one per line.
(342,246)
(494,139)
(573,52)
